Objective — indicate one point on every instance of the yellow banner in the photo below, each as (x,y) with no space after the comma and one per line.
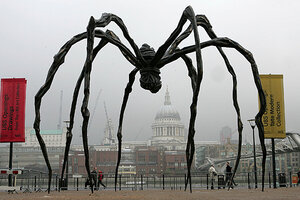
(273,119)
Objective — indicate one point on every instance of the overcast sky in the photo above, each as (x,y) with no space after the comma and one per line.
(33,31)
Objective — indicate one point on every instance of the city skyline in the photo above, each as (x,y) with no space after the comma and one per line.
(34,31)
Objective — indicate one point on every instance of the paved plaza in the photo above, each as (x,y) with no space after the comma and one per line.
(236,194)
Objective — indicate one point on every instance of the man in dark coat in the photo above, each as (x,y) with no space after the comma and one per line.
(228,174)
(94,177)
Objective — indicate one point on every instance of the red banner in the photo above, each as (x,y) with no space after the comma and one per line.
(12,102)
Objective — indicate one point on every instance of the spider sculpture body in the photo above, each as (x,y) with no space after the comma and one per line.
(148,63)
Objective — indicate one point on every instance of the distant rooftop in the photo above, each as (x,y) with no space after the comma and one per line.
(48,132)
(206,142)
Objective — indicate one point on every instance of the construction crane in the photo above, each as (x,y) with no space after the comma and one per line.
(109,125)
(138,134)
(60,111)
(94,110)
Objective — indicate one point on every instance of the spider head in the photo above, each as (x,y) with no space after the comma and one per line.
(150,75)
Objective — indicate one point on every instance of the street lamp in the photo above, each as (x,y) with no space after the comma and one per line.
(67,167)
(253,124)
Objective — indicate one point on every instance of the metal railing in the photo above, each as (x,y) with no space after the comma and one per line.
(35,181)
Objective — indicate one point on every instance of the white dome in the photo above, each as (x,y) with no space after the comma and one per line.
(167,110)
(167,127)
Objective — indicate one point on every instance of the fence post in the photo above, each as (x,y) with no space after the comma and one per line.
(106,181)
(200,180)
(147,182)
(291,183)
(269,180)
(120,181)
(160,182)
(206,181)
(39,180)
(249,187)
(28,182)
(154,181)
(141,181)
(135,186)
(42,180)
(34,183)
(56,182)
(59,184)
(174,182)
(163,182)
(77,183)
(184,180)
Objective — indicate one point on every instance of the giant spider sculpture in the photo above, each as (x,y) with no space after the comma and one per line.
(148,63)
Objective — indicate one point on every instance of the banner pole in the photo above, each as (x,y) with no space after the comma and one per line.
(10,164)
(273,163)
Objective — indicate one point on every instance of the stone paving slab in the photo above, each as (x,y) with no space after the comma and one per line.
(236,194)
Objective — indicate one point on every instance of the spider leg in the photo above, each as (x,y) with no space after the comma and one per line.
(234,96)
(190,150)
(128,90)
(204,22)
(58,60)
(191,69)
(43,146)
(102,22)
(179,39)
(192,74)
(126,52)
(69,134)
(225,42)
(201,21)
(106,18)
(188,14)
(84,109)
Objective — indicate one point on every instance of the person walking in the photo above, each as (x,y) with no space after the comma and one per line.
(213,173)
(228,173)
(94,177)
(100,178)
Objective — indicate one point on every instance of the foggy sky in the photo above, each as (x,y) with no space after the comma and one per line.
(33,31)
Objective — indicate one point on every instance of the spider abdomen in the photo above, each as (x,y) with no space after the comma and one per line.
(150,75)
(150,79)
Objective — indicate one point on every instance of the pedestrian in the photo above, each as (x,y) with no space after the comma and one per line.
(228,173)
(94,177)
(213,173)
(100,178)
